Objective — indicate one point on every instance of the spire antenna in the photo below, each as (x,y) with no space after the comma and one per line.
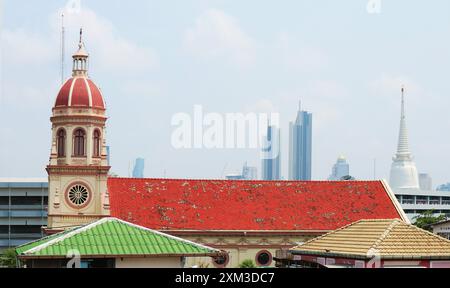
(403,102)
(62,48)
(81,37)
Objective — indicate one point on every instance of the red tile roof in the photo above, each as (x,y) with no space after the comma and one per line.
(248,205)
(79,92)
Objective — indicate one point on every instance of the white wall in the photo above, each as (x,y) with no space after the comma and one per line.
(156,262)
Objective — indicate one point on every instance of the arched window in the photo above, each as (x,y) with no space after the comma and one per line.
(79,143)
(61,143)
(97,143)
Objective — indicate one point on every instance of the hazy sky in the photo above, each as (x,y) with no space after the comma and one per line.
(153,59)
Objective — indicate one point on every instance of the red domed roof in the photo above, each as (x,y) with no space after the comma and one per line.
(79,92)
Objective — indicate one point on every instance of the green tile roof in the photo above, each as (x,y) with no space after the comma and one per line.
(113,237)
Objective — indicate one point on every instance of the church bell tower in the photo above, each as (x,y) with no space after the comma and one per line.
(78,168)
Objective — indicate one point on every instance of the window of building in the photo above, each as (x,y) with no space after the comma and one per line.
(78,195)
(79,143)
(421,200)
(221,261)
(445,200)
(435,200)
(61,143)
(4,200)
(97,143)
(26,200)
(407,199)
(263,258)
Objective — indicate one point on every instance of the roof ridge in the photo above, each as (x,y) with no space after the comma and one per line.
(394,201)
(250,181)
(163,234)
(383,236)
(75,231)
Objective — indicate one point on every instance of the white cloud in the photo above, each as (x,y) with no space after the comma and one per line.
(297,55)
(218,35)
(110,52)
(262,106)
(20,47)
(387,84)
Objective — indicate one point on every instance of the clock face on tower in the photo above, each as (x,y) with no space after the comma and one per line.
(78,195)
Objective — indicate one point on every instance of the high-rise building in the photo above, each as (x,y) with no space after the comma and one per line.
(248,173)
(425,182)
(108,156)
(271,154)
(403,170)
(138,170)
(340,169)
(444,187)
(300,146)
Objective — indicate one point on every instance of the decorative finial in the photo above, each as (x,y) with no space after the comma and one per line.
(81,37)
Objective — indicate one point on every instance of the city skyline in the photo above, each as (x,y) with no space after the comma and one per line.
(331,86)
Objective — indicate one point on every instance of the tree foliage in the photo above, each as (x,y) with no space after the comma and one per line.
(426,219)
(247,264)
(8,259)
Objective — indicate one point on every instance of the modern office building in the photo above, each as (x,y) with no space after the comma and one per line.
(248,173)
(340,169)
(271,159)
(425,182)
(300,146)
(23,211)
(416,201)
(108,156)
(444,187)
(138,171)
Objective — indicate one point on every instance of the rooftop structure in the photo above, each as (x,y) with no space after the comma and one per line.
(114,239)
(170,204)
(376,243)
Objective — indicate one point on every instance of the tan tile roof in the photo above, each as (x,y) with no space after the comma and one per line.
(391,238)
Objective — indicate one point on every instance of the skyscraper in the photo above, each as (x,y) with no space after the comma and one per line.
(249,172)
(340,169)
(425,182)
(300,146)
(403,169)
(271,154)
(138,171)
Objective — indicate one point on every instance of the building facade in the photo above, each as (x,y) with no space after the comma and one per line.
(415,202)
(106,243)
(248,219)
(300,146)
(78,168)
(23,211)
(271,154)
(372,243)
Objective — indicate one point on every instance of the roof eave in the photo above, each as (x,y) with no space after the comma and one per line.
(102,256)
